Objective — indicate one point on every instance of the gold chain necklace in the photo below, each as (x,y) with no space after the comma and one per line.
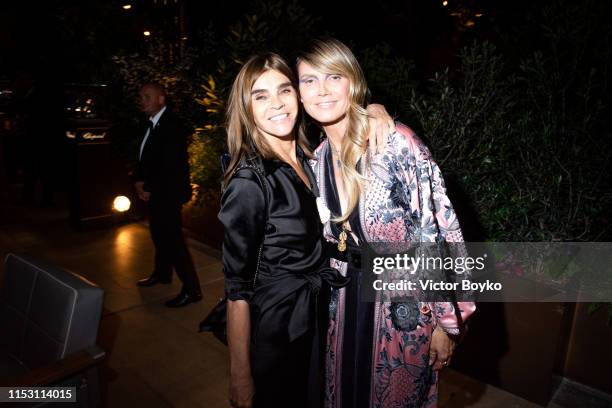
(335,155)
(342,237)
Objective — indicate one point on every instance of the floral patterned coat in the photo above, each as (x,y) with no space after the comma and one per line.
(404,200)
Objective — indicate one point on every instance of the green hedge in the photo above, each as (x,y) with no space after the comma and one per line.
(526,139)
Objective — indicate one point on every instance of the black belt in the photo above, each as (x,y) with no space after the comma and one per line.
(305,287)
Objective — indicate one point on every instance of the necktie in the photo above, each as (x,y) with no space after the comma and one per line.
(144,141)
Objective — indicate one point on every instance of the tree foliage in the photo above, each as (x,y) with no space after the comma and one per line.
(526,140)
(199,83)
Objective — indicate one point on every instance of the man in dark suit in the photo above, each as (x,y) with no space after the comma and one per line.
(163,182)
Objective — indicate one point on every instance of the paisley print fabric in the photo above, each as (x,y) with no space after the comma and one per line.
(404,201)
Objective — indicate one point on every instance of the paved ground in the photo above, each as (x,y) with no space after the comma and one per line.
(156,357)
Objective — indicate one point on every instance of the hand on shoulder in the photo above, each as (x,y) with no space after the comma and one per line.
(405,138)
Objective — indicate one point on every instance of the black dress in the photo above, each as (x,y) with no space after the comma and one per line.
(292,269)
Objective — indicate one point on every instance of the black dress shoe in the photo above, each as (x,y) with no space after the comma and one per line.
(183,299)
(152,280)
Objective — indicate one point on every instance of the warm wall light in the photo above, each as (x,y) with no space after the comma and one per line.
(445,3)
(121,204)
(127,6)
(147,33)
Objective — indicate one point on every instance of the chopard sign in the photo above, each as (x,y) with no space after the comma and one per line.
(93,136)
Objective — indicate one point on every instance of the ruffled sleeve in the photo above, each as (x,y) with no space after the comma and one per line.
(243,215)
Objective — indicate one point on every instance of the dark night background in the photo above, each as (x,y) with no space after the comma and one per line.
(512,97)
(71,39)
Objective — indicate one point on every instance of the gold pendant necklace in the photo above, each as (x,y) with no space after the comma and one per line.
(342,238)
(343,234)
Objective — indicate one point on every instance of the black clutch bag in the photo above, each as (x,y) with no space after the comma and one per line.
(216,321)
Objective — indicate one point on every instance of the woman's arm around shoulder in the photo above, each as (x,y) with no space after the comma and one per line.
(405,138)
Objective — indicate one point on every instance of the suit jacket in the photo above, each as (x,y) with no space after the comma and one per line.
(164,165)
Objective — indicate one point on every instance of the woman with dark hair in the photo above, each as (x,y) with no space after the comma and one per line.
(272,249)
(380,354)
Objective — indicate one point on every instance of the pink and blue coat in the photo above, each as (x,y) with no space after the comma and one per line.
(404,201)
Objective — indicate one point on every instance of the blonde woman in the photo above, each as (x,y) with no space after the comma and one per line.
(378,354)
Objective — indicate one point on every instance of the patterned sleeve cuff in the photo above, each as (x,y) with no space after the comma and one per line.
(445,316)
(453,331)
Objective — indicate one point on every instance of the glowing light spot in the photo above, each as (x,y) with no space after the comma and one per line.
(121,204)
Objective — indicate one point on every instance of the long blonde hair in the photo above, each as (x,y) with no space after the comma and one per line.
(243,139)
(333,57)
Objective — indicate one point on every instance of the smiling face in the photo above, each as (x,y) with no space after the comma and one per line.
(274,105)
(325,96)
